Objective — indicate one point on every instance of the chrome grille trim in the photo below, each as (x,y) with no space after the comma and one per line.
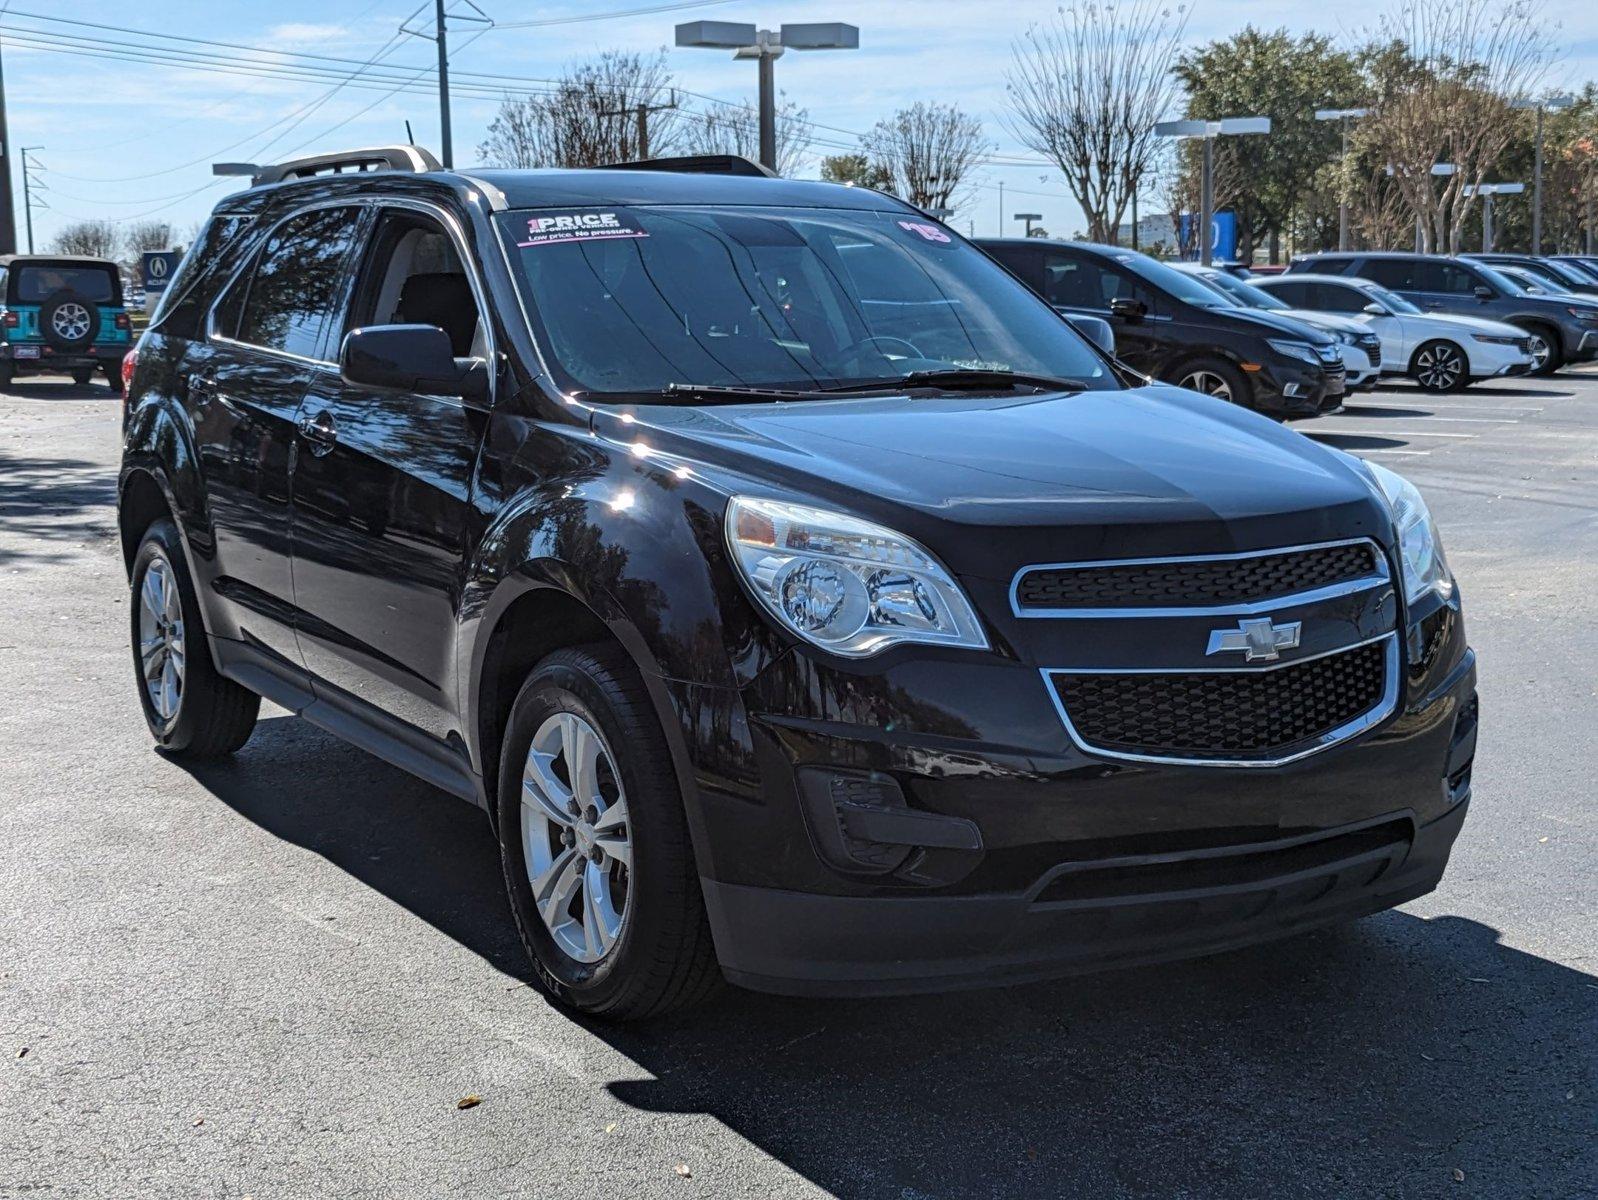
(1383,709)
(1382,575)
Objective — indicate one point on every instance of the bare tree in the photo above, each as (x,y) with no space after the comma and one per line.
(586,118)
(97,239)
(1445,73)
(735,129)
(1085,91)
(926,152)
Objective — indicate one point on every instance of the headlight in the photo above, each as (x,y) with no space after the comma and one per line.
(1495,340)
(1299,350)
(1344,337)
(844,584)
(1585,314)
(1425,568)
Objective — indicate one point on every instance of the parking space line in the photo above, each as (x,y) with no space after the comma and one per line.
(1383,431)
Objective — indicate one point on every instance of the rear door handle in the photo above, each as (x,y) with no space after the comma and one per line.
(320,432)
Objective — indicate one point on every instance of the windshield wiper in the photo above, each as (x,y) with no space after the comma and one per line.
(733,392)
(974,378)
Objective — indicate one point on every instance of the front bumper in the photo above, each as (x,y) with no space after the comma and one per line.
(1583,346)
(1297,390)
(1010,852)
(1076,920)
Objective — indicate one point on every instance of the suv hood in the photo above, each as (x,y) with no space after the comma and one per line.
(1322,320)
(1271,323)
(991,483)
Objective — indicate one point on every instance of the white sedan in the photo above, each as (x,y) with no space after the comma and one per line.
(1441,353)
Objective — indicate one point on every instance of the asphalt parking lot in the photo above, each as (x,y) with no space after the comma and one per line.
(276,977)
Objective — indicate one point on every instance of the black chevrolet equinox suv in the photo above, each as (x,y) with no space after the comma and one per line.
(805,602)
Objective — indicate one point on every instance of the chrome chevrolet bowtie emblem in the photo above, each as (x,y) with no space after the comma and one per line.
(1258,639)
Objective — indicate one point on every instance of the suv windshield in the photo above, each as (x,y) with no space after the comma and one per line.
(36,283)
(1175,283)
(631,300)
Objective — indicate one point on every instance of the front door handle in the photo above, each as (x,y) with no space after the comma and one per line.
(320,432)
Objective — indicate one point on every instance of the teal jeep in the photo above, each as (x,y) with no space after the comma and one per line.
(61,314)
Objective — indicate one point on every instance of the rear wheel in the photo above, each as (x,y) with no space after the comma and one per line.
(594,843)
(1440,367)
(82,375)
(1215,377)
(191,710)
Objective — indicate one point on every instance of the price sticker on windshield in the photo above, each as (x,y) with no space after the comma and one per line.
(587,225)
(926,231)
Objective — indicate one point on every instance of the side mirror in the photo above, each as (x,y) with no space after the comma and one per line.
(410,358)
(1374,309)
(1096,329)
(1483,292)
(1128,309)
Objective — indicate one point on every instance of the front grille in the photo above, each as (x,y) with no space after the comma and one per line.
(1373,351)
(1195,582)
(1243,714)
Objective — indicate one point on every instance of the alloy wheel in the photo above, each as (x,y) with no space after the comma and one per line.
(71,321)
(1540,350)
(1439,368)
(576,837)
(161,644)
(1207,382)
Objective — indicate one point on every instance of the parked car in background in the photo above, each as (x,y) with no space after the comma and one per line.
(1359,345)
(1171,326)
(1531,281)
(1440,353)
(1268,269)
(1562,328)
(1569,277)
(1587,264)
(62,314)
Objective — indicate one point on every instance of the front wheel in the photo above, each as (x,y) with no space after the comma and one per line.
(1214,377)
(1545,355)
(1440,367)
(594,843)
(192,711)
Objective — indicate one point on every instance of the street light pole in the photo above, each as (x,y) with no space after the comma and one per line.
(1487,191)
(1209,131)
(446,149)
(1344,116)
(1028,218)
(1537,168)
(766,46)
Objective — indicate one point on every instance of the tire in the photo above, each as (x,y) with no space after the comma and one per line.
(1214,377)
(196,713)
(1440,366)
(8,375)
(113,376)
(658,955)
(82,377)
(69,322)
(1546,348)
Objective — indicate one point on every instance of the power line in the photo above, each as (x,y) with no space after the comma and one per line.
(606,16)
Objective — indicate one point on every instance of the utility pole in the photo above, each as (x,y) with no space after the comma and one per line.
(440,35)
(27,191)
(640,112)
(444,141)
(8,213)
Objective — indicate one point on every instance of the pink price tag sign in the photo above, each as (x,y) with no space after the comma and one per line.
(928,231)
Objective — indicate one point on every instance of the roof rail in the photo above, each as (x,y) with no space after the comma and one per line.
(697,164)
(339,162)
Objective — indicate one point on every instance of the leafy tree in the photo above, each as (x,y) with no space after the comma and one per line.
(1283,77)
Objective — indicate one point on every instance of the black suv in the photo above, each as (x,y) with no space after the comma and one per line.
(802,599)
(1563,328)
(1172,326)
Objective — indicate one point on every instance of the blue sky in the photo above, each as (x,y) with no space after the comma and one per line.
(125,140)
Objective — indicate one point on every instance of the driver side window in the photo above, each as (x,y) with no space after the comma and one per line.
(413,275)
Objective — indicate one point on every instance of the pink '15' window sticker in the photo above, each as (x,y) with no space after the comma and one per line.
(928,231)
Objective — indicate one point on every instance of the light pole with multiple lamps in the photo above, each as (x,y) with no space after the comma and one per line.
(767,46)
(1343,115)
(1541,106)
(1209,131)
(1028,218)
(1487,191)
(1438,169)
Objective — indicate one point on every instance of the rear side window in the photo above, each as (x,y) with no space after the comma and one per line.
(37,282)
(1396,273)
(1299,295)
(1330,297)
(297,286)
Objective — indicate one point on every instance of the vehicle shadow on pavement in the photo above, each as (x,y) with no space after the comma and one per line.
(1373,1059)
(51,504)
(1357,441)
(60,389)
